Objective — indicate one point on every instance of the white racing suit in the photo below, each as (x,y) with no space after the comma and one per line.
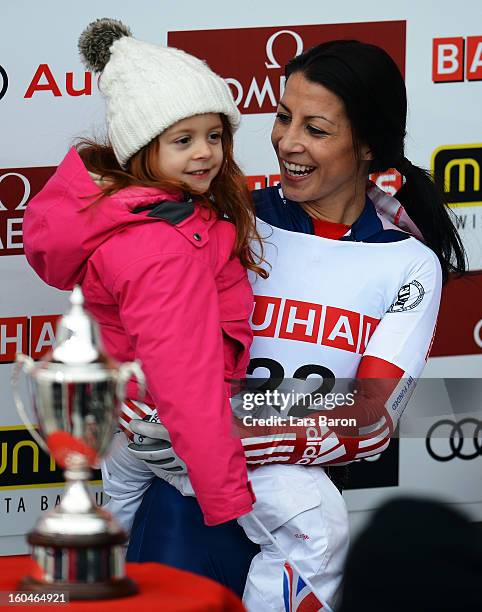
(299,506)
(370,297)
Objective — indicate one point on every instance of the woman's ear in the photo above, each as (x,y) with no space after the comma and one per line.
(366,154)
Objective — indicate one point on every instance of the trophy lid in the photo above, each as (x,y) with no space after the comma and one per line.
(77,337)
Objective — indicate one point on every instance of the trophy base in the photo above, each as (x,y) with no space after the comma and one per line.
(82,566)
(113,589)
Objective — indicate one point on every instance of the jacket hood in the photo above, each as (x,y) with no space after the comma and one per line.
(62,228)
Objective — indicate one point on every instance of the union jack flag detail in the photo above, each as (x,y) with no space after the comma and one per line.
(298,597)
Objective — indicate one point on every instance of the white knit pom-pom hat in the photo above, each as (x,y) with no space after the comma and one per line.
(148,88)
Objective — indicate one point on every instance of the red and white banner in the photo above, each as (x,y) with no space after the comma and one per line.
(256,76)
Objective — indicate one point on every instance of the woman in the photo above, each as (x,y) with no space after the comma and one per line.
(365,304)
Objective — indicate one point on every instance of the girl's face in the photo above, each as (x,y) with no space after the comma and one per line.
(191,151)
(312,138)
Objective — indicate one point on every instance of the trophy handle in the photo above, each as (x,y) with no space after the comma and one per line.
(24,362)
(125,373)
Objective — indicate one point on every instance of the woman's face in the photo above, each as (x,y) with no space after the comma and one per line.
(312,138)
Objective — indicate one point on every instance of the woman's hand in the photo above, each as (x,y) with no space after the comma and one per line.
(152,444)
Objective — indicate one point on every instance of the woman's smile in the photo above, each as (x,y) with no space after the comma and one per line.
(295,170)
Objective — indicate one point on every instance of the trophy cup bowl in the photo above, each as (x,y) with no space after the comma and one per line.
(76,390)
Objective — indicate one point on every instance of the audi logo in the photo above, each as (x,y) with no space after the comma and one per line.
(3,82)
(466,448)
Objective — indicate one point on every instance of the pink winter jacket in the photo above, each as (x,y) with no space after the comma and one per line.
(169,295)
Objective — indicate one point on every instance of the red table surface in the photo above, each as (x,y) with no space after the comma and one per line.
(160,588)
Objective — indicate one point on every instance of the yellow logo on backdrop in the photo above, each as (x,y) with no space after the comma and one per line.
(458,168)
(24,465)
(462,164)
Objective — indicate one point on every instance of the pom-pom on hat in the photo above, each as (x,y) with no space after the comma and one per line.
(148,88)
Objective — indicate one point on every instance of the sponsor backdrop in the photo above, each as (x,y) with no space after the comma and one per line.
(47,98)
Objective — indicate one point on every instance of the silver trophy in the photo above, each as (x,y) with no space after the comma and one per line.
(76,391)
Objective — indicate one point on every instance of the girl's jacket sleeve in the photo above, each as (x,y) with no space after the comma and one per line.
(168,305)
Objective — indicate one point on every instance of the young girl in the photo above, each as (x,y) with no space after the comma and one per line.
(162,271)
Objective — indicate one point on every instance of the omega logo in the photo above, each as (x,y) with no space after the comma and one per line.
(477,334)
(269,47)
(26,190)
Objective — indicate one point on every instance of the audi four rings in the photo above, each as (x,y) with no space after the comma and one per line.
(458,446)
(3,82)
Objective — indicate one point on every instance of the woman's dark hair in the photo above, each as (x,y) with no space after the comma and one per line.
(372,89)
